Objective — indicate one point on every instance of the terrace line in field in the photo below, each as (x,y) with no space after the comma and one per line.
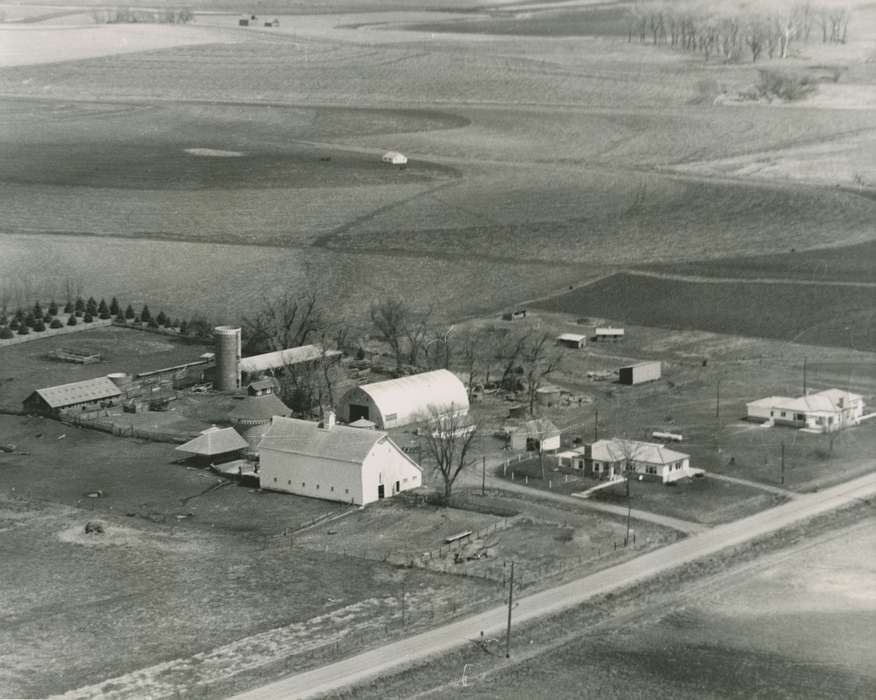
(334,462)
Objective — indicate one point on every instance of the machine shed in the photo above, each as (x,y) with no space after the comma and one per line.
(399,402)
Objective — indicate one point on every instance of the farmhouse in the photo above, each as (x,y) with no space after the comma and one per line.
(608,459)
(608,333)
(334,462)
(394,158)
(399,402)
(640,373)
(86,394)
(215,446)
(572,340)
(824,411)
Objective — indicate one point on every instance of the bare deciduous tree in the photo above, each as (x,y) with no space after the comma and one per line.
(448,437)
(282,322)
(539,358)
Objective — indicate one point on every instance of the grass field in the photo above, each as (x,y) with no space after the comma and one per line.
(838,316)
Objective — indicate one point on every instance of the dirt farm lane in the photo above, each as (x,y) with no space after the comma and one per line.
(492,622)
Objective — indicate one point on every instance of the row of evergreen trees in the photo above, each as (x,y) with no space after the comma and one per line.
(38,319)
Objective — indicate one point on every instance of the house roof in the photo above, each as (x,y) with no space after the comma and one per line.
(647,363)
(284,358)
(540,427)
(609,331)
(258,408)
(340,443)
(408,396)
(616,450)
(79,392)
(214,441)
(572,337)
(827,401)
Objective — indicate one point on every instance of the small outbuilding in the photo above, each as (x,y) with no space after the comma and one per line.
(538,435)
(334,462)
(572,340)
(255,366)
(215,446)
(640,373)
(608,333)
(395,158)
(396,403)
(516,315)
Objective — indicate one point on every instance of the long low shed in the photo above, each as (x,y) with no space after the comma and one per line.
(640,373)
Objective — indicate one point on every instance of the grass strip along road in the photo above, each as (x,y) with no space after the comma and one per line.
(492,622)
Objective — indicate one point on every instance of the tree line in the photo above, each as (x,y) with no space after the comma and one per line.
(127,15)
(734,31)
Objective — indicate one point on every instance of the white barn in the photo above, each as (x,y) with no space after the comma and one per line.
(399,402)
(395,158)
(333,462)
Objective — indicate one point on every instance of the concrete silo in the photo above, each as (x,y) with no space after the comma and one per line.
(227,348)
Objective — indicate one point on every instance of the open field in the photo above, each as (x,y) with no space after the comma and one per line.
(839,316)
(25,367)
(765,618)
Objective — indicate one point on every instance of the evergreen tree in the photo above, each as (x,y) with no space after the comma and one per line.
(129,312)
(79,305)
(114,307)
(23,330)
(161,319)
(56,323)
(91,306)
(37,310)
(88,317)
(72,320)
(183,327)
(102,308)
(53,308)
(145,316)
(39,326)
(68,308)
(6,333)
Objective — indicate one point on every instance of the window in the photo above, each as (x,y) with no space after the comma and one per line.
(317,487)
(290,482)
(303,484)
(651,469)
(346,490)
(332,489)
(783,414)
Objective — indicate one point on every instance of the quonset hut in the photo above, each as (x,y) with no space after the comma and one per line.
(399,402)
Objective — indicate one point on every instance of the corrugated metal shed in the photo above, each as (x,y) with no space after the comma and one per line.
(79,392)
(284,358)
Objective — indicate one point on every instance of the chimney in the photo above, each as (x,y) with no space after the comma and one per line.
(328,420)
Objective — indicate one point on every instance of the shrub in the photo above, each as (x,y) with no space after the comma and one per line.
(104,315)
(56,323)
(39,326)
(23,330)
(88,318)
(3,319)
(784,85)
(72,320)
(153,323)
(6,333)
(15,325)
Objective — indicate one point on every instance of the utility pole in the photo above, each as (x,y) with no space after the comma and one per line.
(510,602)
(403,603)
(484,475)
(783,462)
(629,506)
(804,376)
(596,426)
(718,400)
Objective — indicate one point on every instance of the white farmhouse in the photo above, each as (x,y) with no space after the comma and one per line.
(333,462)
(823,412)
(613,458)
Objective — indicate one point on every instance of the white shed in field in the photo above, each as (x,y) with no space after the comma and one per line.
(334,462)
(399,402)
(395,158)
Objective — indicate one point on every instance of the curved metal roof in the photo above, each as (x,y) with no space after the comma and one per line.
(410,397)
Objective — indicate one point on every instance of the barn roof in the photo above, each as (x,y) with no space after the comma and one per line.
(616,450)
(214,441)
(340,443)
(258,408)
(78,392)
(284,358)
(407,396)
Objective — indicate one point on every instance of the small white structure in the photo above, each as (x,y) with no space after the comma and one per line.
(396,403)
(538,435)
(395,158)
(215,445)
(824,411)
(334,462)
(572,340)
(608,333)
(615,457)
(268,362)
